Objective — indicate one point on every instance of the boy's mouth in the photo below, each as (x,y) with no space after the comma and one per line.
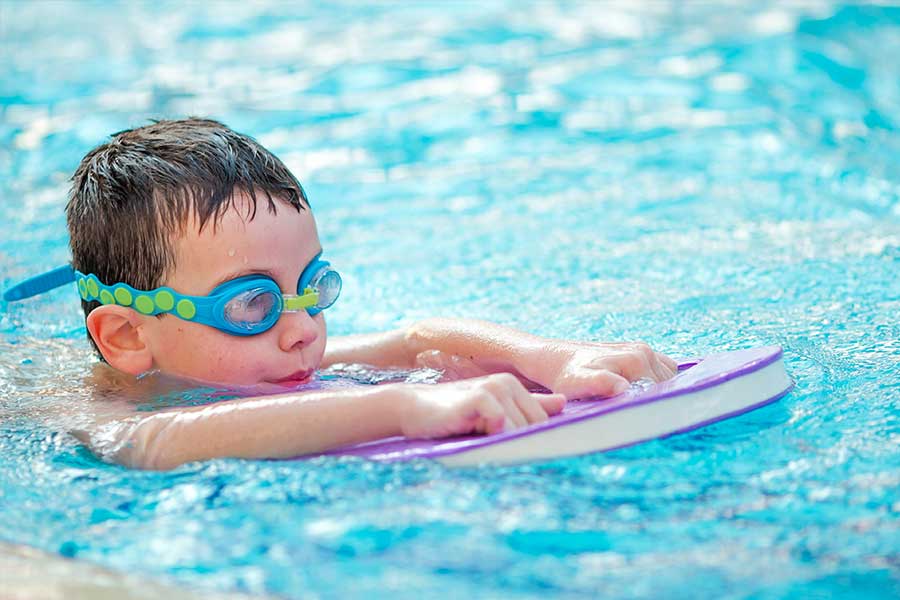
(295,378)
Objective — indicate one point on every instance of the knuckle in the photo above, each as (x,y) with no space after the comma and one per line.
(644,348)
(504,378)
(633,361)
(487,403)
(476,400)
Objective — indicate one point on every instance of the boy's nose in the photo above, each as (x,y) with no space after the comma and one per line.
(296,329)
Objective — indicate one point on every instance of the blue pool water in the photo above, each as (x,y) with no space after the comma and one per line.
(701,177)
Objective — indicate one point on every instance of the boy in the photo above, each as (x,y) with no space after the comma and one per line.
(189,241)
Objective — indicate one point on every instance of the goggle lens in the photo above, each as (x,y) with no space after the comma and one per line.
(252,308)
(328,283)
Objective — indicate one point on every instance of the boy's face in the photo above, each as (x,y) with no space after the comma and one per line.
(279,246)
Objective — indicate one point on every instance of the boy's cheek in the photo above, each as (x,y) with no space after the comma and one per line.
(199,352)
(184,349)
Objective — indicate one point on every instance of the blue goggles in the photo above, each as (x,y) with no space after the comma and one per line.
(247,305)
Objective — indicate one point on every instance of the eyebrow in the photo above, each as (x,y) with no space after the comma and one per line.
(242,273)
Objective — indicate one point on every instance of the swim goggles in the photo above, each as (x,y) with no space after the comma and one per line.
(244,306)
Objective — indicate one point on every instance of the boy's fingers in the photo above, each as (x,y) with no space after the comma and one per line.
(660,371)
(532,408)
(551,403)
(651,366)
(669,372)
(603,383)
(491,425)
(617,385)
(662,366)
(514,412)
(497,425)
(493,416)
(668,362)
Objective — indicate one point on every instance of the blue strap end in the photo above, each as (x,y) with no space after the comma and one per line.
(40,283)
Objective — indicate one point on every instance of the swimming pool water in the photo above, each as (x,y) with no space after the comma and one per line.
(702,177)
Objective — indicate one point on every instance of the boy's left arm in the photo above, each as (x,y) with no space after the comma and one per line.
(469,348)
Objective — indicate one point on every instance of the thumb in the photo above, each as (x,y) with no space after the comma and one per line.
(618,385)
(602,383)
(552,403)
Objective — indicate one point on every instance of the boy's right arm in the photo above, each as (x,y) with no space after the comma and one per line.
(291,425)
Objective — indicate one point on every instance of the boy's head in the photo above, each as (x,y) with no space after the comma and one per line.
(177,204)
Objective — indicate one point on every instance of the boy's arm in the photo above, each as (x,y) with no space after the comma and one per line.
(481,346)
(469,348)
(265,427)
(303,423)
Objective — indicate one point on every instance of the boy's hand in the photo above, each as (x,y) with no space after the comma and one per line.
(584,369)
(489,404)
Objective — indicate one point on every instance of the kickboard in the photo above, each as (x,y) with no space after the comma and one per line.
(704,391)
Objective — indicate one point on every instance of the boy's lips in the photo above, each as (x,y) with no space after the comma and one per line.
(295,378)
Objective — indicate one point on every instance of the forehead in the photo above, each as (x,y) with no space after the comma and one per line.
(279,243)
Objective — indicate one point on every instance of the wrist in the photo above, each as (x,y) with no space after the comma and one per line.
(398,403)
(537,360)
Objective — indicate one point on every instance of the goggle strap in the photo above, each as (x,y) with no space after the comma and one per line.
(309,299)
(40,283)
(150,303)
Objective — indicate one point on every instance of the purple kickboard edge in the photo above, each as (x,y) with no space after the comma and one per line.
(694,375)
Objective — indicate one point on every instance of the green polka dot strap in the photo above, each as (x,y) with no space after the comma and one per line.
(154,302)
(247,305)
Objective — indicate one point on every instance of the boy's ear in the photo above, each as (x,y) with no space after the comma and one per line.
(115,330)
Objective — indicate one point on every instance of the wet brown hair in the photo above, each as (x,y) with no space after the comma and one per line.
(133,196)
